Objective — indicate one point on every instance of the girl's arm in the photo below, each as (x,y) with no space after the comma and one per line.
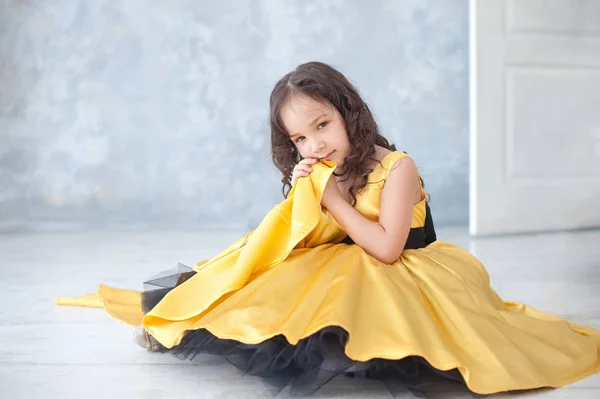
(384,239)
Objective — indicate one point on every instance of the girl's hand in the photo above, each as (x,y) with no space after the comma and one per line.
(331,194)
(302,169)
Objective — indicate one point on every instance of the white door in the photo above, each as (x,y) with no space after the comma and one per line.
(535,115)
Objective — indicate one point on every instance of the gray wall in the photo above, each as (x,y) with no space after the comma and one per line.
(153,114)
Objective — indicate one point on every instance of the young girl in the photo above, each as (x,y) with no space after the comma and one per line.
(345,276)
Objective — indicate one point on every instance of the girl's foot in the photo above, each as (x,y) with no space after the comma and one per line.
(145,340)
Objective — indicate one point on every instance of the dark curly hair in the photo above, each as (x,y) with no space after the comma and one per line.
(325,84)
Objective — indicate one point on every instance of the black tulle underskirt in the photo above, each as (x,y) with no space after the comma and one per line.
(308,365)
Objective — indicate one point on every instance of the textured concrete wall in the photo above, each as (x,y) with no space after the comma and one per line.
(150,113)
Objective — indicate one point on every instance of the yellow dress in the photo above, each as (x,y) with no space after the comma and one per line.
(295,297)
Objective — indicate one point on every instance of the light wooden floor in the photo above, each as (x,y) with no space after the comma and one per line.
(48,351)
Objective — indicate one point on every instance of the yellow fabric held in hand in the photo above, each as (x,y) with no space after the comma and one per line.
(279,232)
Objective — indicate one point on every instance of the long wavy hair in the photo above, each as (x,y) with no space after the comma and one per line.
(325,84)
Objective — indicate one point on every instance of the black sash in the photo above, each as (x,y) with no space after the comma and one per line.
(419,237)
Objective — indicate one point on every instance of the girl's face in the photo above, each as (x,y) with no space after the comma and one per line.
(317,129)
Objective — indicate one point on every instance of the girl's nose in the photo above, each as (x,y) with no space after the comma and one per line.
(319,147)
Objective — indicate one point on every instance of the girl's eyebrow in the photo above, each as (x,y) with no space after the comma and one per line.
(312,123)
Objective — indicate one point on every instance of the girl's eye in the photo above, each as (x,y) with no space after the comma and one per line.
(299,138)
(321,125)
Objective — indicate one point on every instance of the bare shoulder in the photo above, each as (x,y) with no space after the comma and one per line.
(405,162)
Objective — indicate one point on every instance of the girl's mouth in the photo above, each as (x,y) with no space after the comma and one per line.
(328,156)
